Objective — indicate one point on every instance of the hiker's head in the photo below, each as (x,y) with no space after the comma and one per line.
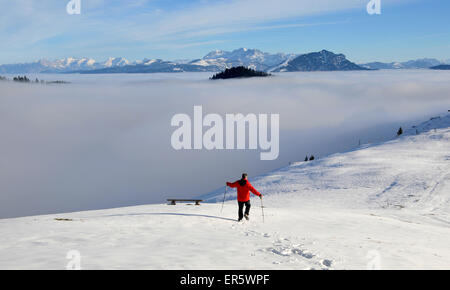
(243,180)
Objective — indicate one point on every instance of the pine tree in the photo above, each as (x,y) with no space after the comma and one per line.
(306,158)
(400,131)
(311,158)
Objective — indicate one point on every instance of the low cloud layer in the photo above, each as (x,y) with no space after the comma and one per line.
(104,141)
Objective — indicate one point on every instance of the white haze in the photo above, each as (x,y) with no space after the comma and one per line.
(104,140)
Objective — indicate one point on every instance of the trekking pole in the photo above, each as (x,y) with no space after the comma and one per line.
(223,198)
(262,209)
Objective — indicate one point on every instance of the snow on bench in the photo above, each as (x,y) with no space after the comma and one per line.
(174,201)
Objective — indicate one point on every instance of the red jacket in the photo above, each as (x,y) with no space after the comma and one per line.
(243,192)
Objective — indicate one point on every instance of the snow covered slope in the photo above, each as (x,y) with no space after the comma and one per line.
(380,206)
(412,171)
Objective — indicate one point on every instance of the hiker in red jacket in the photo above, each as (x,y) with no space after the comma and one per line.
(243,195)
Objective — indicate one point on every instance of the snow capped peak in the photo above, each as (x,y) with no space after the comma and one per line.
(69,60)
(149,61)
(68,63)
(90,61)
(214,54)
(115,61)
(252,58)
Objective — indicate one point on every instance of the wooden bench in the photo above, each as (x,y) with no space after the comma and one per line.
(174,201)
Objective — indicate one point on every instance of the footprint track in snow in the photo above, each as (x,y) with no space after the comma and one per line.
(294,252)
(285,251)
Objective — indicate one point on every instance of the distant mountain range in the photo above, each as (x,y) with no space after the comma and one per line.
(213,62)
(412,64)
(441,67)
(69,64)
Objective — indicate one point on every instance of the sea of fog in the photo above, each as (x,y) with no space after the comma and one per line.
(104,141)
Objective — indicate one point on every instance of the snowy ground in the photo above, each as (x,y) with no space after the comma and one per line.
(382,206)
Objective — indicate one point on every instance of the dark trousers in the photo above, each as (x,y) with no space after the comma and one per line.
(241,207)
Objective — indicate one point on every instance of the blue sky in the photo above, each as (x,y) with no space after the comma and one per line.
(177,29)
